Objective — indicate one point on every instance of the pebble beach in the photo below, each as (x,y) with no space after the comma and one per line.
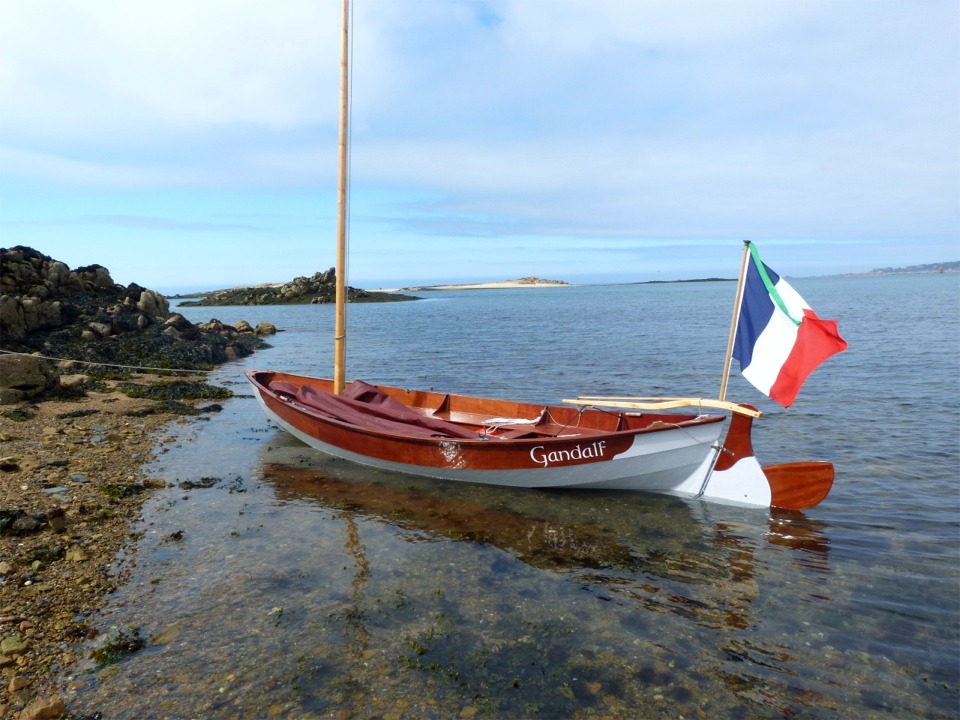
(70,488)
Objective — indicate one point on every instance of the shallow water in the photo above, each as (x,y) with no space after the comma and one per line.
(303,586)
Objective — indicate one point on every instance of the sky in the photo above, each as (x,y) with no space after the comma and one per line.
(192,144)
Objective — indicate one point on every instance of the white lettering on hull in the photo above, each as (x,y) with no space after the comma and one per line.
(593,451)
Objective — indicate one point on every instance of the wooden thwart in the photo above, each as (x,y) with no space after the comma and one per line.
(657,403)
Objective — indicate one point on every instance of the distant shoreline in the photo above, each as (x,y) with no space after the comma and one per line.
(949,268)
(695,280)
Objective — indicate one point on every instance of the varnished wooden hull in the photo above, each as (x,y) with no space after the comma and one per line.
(568,448)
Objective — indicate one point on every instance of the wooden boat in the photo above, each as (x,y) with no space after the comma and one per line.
(500,442)
(603,443)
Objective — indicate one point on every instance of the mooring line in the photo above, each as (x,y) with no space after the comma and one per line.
(105,364)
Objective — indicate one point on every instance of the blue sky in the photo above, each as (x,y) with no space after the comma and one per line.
(191,144)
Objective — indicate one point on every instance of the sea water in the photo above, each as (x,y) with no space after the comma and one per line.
(271,581)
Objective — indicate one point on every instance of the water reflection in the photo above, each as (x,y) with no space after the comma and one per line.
(666,556)
(793,529)
(649,552)
(357,635)
(337,589)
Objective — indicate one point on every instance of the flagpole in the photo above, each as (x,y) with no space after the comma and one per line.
(733,322)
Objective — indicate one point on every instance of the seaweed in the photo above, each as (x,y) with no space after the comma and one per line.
(175,390)
(21,414)
(122,490)
(118,647)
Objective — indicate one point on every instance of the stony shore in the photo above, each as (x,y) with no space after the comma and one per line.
(83,403)
(71,487)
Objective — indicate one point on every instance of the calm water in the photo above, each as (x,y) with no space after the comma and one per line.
(304,587)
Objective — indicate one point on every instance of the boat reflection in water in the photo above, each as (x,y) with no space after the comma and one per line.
(319,588)
(667,555)
(692,566)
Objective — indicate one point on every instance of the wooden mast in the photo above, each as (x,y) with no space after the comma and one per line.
(733,323)
(340,328)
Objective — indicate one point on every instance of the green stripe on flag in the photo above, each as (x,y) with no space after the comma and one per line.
(768,284)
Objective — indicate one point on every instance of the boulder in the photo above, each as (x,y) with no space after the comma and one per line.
(12,322)
(153,305)
(74,382)
(23,377)
(101,329)
(46,708)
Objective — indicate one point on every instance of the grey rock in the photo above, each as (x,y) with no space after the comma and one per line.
(25,524)
(25,376)
(13,645)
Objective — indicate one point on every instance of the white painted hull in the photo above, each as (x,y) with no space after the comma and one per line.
(675,463)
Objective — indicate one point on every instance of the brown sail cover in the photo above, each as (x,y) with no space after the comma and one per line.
(366,406)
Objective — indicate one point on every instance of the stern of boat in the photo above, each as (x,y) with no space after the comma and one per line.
(738,478)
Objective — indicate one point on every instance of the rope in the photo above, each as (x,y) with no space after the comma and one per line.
(578,418)
(105,364)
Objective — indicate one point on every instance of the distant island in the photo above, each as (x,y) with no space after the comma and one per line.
(315,290)
(524,282)
(320,288)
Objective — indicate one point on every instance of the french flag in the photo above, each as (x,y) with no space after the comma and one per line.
(779,340)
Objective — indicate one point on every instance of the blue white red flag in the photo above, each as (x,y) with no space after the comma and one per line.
(779,340)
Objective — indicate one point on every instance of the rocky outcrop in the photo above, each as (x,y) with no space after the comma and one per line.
(47,309)
(320,288)
(40,293)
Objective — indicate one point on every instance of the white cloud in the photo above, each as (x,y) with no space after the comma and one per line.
(92,67)
(582,118)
